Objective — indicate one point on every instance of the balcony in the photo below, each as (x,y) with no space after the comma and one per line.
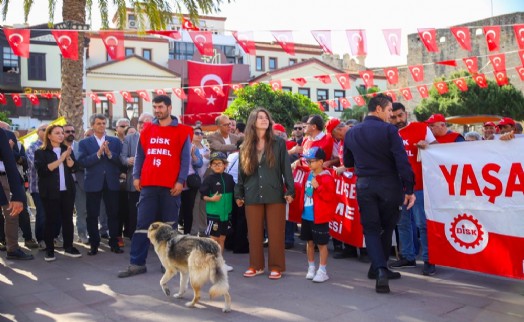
(10,81)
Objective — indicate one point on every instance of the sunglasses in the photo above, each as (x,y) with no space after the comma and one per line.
(198,133)
(299,128)
(309,161)
(70,131)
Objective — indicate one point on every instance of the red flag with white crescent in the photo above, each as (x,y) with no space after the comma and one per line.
(451,62)
(521,55)
(179,92)
(498,61)
(357,42)
(325,79)
(111,97)
(245,40)
(393,38)
(160,91)
(501,77)
(492,37)
(144,95)
(481,80)
(285,40)
(423,91)
(471,64)
(321,106)
(345,102)
(417,71)
(519,34)
(442,87)
(406,92)
(323,37)
(200,92)
(391,75)
(332,103)
(461,84)
(392,95)
(3,100)
(94,97)
(300,81)
(17,99)
(359,100)
(218,89)
(127,96)
(463,37)
(428,36)
(188,25)
(173,34)
(276,85)
(520,70)
(203,41)
(236,87)
(67,41)
(114,42)
(33,99)
(343,80)
(18,39)
(367,77)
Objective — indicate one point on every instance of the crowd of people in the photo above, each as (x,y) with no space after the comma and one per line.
(234,185)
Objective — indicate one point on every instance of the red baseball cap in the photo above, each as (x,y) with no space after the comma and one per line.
(436,118)
(489,124)
(331,125)
(279,127)
(506,121)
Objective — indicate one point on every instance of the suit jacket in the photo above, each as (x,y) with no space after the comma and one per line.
(129,150)
(79,174)
(98,171)
(217,143)
(13,177)
(49,181)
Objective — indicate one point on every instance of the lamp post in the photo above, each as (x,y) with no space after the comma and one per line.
(131,113)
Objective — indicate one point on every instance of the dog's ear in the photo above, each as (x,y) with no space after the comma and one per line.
(154,226)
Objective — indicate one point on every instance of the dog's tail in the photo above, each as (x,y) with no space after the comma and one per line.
(218,277)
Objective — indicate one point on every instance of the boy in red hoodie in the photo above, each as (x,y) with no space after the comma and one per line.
(319,207)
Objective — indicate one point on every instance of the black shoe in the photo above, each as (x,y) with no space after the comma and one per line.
(104,236)
(403,263)
(132,270)
(72,252)
(116,249)
(19,254)
(49,256)
(93,251)
(372,274)
(429,269)
(382,285)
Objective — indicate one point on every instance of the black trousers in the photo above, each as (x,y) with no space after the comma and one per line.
(379,200)
(59,210)
(132,199)
(93,200)
(186,208)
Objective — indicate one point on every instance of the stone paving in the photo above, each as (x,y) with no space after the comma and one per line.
(87,289)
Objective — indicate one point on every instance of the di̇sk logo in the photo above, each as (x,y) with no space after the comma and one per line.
(466,234)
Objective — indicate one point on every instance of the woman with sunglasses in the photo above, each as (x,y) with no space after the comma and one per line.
(199,224)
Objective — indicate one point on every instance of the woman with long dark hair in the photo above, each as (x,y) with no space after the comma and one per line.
(55,163)
(265,184)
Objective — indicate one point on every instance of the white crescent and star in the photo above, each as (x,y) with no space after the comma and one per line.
(493,33)
(469,62)
(497,61)
(16,43)
(342,79)
(202,42)
(66,38)
(461,35)
(391,74)
(500,75)
(207,78)
(427,33)
(282,38)
(521,70)
(111,46)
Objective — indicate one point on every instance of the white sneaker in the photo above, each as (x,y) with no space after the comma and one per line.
(320,277)
(310,273)
(228,268)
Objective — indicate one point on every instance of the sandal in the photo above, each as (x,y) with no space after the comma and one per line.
(251,272)
(274,275)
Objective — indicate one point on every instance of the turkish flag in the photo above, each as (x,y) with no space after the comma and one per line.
(160,92)
(461,84)
(276,85)
(463,37)
(218,89)
(188,25)
(501,78)
(357,42)
(173,34)
(144,95)
(18,39)
(3,100)
(417,71)
(34,99)
(359,100)
(110,97)
(521,55)
(200,92)
(519,34)
(367,77)
(406,92)
(325,79)
(471,64)
(67,42)
(345,102)
(203,77)
(321,106)
(393,37)
(392,95)
(332,103)
(343,80)
(127,97)
(245,40)
(423,91)
(203,41)
(448,63)
(236,87)
(428,36)
(323,37)
(520,70)
(481,80)
(17,99)
(442,87)
(94,97)
(300,81)
(498,61)
(114,42)
(180,93)
(285,40)
(492,37)
(391,75)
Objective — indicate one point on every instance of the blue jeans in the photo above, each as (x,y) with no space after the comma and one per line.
(405,230)
(420,221)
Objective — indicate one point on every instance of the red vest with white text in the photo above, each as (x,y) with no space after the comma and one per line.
(449,137)
(411,135)
(325,143)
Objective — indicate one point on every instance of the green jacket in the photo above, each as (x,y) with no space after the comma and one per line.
(266,185)
(222,183)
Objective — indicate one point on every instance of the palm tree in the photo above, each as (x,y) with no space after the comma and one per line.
(157,12)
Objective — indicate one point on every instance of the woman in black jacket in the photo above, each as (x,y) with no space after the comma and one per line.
(55,163)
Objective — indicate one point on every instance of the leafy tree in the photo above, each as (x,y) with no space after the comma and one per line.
(4,116)
(156,12)
(494,100)
(285,107)
(359,112)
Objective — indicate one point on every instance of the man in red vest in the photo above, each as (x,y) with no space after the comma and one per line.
(316,137)
(437,124)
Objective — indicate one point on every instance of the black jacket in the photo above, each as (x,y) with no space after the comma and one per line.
(49,181)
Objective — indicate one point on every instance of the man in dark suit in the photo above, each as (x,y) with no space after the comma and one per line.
(99,155)
(222,140)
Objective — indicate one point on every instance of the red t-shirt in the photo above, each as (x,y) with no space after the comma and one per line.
(412,134)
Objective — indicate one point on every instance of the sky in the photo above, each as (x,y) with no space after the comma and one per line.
(302,16)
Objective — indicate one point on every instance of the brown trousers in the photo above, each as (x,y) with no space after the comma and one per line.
(274,215)
(11,222)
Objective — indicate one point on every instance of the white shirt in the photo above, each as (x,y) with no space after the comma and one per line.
(58,151)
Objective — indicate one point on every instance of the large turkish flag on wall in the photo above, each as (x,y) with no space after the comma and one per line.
(207,76)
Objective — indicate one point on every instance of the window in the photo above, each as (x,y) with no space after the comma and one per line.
(322,96)
(36,67)
(292,61)
(286,89)
(182,51)
(338,94)
(305,92)
(273,63)
(229,52)
(146,53)
(105,108)
(130,51)
(10,61)
(260,63)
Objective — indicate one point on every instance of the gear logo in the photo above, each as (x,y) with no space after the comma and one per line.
(466,234)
